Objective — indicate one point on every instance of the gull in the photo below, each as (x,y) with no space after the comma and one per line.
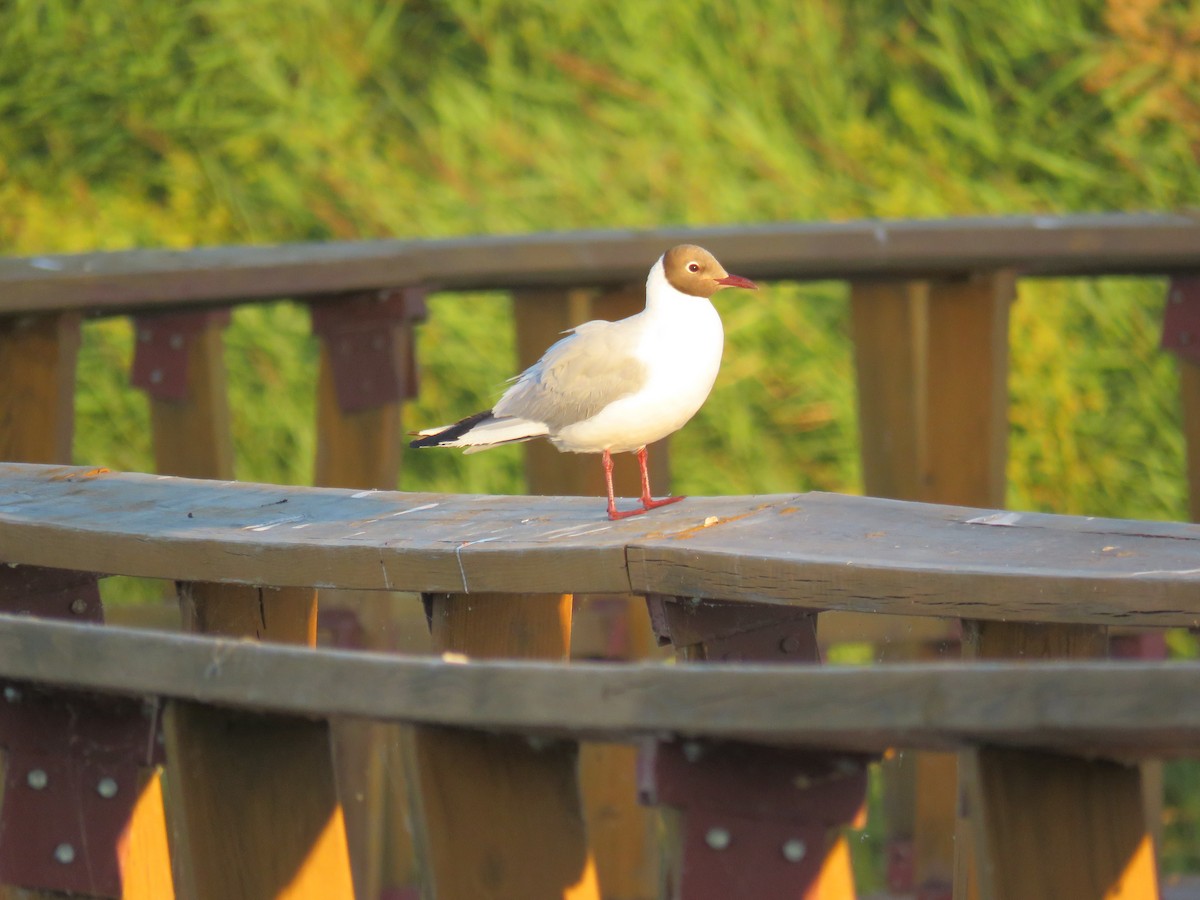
(614,387)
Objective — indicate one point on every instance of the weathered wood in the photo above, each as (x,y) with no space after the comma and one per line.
(822,551)
(193,437)
(1123,710)
(501,816)
(1049,245)
(37,387)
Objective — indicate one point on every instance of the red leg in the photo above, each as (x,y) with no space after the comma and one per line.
(607,462)
(647,501)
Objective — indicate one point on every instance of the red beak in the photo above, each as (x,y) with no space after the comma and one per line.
(737,281)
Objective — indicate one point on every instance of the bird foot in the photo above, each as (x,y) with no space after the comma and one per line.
(646,506)
(654,504)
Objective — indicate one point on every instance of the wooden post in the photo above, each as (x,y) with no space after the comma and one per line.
(37,421)
(932,365)
(192,436)
(623,833)
(37,387)
(253,806)
(362,448)
(501,816)
(1051,826)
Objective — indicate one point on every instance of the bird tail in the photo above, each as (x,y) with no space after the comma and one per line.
(480,432)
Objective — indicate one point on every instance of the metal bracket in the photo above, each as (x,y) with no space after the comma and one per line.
(756,820)
(1181,319)
(164,342)
(371,345)
(53,593)
(70,786)
(735,632)
(72,774)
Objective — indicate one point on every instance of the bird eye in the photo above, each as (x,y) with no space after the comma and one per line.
(693,267)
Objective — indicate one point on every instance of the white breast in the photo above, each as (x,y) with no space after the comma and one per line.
(680,340)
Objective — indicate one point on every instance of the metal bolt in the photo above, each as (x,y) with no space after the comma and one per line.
(176,341)
(107,788)
(791,644)
(1185,337)
(65,854)
(794,850)
(718,838)
(11,694)
(156,376)
(37,779)
(79,606)
(692,751)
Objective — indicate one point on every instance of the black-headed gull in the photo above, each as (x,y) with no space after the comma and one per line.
(614,387)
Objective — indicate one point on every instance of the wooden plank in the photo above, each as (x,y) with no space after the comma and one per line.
(823,551)
(502,816)
(37,387)
(1122,710)
(1049,245)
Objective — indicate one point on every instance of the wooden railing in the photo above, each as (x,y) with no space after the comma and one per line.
(762,763)
(929,303)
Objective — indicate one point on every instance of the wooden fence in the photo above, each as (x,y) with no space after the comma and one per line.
(929,306)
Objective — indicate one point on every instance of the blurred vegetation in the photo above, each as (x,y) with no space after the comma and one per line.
(139,123)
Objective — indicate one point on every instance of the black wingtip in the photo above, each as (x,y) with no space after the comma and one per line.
(453,433)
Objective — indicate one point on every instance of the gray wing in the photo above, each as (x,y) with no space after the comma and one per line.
(577,377)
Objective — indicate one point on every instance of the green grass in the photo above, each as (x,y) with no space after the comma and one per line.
(138,123)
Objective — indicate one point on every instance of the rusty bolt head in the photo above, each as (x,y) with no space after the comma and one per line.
(78,606)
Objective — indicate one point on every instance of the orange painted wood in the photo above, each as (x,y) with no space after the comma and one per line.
(37,387)
(501,817)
